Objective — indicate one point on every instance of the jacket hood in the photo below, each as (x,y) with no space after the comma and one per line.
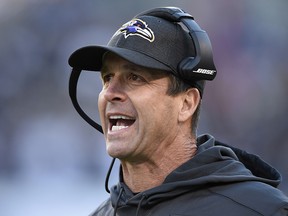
(214,164)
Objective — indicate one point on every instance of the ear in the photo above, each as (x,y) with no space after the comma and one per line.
(190,101)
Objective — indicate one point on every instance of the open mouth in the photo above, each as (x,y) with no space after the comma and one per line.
(119,122)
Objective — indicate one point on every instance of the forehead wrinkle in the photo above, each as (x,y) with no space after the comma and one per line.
(110,64)
(132,67)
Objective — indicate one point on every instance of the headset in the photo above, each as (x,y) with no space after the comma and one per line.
(200,67)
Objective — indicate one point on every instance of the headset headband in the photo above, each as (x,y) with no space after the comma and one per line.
(200,67)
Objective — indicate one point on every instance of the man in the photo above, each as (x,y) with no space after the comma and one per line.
(153,72)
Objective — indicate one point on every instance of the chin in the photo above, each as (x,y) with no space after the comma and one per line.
(115,152)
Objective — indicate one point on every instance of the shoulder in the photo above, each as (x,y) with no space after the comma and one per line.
(257,196)
(104,209)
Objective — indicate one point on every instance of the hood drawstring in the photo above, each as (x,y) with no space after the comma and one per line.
(108,176)
(117,202)
(139,204)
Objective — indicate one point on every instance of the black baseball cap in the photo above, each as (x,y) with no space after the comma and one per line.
(146,40)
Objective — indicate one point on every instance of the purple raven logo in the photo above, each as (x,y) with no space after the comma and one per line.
(137,27)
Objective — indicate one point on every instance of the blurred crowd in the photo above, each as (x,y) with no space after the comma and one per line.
(52,162)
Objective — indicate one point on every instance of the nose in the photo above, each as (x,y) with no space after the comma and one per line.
(114,91)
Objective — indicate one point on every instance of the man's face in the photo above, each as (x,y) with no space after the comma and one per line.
(139,119)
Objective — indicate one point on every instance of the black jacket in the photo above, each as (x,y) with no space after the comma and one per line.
(218,180)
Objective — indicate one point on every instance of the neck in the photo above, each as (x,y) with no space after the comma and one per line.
(149,173)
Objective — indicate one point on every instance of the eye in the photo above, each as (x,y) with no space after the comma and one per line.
(106,78)
(135,78)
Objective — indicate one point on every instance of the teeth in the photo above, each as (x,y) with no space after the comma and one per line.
(116,128)
(119,117)
(117,122)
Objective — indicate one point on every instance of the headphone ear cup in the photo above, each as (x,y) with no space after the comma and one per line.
(190,69)
(186,69)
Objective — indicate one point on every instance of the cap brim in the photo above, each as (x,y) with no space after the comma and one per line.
(90,58)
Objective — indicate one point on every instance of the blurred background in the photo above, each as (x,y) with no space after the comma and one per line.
(53,163)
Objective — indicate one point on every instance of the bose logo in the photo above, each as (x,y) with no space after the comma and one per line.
(205,71)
